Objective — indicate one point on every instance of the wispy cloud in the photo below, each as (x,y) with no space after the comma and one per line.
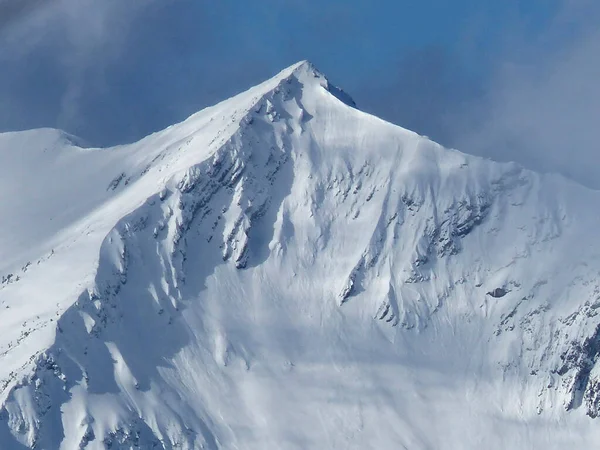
(72,39)
(541,107)
(113,70)
(537,102)
(12,10)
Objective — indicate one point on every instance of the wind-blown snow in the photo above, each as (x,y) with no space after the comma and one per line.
(283,270)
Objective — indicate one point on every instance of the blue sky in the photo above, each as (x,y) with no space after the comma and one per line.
(113,71)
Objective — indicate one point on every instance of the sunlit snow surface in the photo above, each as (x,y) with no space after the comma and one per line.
(283,271)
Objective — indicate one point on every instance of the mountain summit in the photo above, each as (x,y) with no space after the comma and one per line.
(284,271)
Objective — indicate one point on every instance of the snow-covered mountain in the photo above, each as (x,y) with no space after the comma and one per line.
(284,271)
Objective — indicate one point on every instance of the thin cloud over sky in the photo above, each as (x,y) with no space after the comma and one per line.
(71,42)
(541,108)
(521,86)
(13,10)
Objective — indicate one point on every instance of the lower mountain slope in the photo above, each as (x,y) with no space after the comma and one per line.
(285,271)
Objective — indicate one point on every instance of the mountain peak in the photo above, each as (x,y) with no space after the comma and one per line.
(298,69)
(294,255)
(308,74)
(303,65)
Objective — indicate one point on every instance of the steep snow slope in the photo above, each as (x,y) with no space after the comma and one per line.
(285,271)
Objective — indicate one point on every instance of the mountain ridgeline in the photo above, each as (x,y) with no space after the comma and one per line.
(285,271)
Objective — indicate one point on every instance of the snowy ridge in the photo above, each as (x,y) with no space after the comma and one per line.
(285,271)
